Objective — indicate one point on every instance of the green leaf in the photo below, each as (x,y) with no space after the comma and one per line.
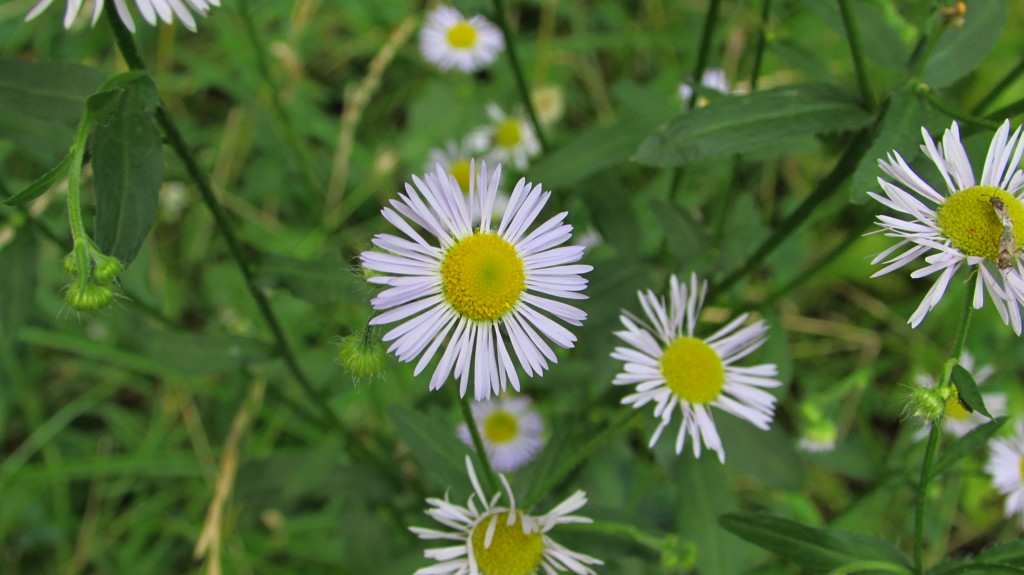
(977,568)
(42,184)
(766,120)
(17,289)
(1008,553)
(967,391)
(128,170)
(102,105)
(901,131)
(971,442)
(961,50)
(704,485)
(54,91)
(200,354)
(819,550)
(434,444)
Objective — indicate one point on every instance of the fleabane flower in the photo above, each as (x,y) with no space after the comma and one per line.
(673,368)
(449,40)
(955,419)
(1006,467)
(492,539)
(978,225)
(151,10)
(511,430)
(507,139)
(712,79)
(474,289)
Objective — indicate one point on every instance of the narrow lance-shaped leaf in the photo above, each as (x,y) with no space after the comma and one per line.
(128,170)
(971,442)
(54,91)
(967,391)
(819,550)
(42,184)
(763,120)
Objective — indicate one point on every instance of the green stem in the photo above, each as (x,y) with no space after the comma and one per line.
(300,155)
(80,239)
(850,24)
(478,444)
(926,92)
(705,47)
(933,436)
(762,40)
(517,71)
(861,566)
(173,136)
(1007,111)
(1001,87)
(828,186)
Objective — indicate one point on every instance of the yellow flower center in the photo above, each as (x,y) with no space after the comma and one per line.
(970,221)
(511,551)
(462,35)
(692,370)
(501,426)
(482,277)
(507,134)
(955,409)
(460,170)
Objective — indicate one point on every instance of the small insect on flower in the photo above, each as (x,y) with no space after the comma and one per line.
(1007,241)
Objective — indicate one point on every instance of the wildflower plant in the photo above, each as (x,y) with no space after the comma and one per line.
(241,316)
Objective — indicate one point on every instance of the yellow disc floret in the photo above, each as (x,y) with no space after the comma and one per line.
(692,370)
(462,35)
(501,426)
(460,170)
(971,223)
(511,551)
(482,276)
(507,134)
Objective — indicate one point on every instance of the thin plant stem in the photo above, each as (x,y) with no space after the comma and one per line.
(926,92)
(762,41)
(999,88)
(850,25)
(1007,111)
(79,237)
(828,186)
(173,136)
(299,151)
(933,436)
(478,443)
(517,71)
(705,47)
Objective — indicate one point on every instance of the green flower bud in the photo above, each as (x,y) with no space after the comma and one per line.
(88,296)
(678,554)
(361,356)
(70,264)
(107,269)
(926,403)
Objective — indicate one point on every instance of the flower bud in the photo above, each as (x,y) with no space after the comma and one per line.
(361,356)
(88,296)
(926,403)
(70,264)
(107,269)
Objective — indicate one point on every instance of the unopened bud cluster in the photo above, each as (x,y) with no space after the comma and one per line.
(93,288)
(361,355)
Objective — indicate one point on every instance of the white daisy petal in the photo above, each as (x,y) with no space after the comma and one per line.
(150,10)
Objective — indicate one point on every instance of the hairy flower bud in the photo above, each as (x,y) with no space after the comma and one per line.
(88,296)
(361,356)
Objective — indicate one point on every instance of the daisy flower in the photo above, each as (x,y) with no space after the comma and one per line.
(1006,466)
(490,539)
(449,40)
(511,431)
(507,138)
(712,79)
(475,289)
(674,369)
(969,224)
(151,10)
(956,420)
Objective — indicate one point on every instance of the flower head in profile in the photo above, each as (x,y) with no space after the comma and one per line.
(449,40)
(151,10)
(674,369)
(969,224)
(493,539)
(1006,467)
(511,430)
(507,139)
(475,290)
(956,420)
